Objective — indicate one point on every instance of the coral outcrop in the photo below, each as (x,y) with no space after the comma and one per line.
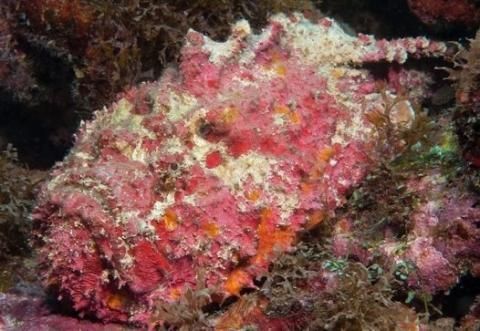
(467,82)
(214,170)
(114,44)
(434,12)
(25,312)
(15,73)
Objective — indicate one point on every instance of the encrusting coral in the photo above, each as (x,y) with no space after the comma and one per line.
(216,168)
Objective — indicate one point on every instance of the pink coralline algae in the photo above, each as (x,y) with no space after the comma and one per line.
(442,237)
(216,168)
(445,235)
(19,312)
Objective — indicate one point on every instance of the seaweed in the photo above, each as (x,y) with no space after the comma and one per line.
(466,78)
(284,285)
(361,299)
(15,72)
(117,43)
(16,200)
(382,203)
(189,312)
(466,71)
(359,304)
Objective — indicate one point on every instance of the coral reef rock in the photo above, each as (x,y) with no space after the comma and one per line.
(21,312)
(467,82)
(212,171)
(15,73)
(434,12)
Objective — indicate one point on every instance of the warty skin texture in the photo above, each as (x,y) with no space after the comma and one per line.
(217,167)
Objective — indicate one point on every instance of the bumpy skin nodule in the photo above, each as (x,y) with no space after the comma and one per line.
(217,167)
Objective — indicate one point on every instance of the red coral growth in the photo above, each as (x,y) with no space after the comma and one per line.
(66,17)
(431,12)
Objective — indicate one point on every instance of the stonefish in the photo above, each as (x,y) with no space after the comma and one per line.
(216,168)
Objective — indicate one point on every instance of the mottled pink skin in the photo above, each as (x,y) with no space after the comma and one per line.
(112,270)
